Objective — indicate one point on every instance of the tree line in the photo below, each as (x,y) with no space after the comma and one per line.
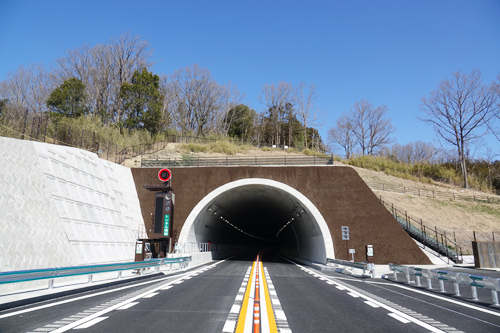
(462,111)
(113,84)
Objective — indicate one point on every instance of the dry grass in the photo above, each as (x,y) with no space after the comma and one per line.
(459,218)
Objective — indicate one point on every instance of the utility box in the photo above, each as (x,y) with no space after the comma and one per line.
(164,209)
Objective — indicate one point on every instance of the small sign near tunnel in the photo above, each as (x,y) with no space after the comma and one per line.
(164,175)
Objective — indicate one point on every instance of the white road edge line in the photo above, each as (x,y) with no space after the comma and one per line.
(470,306)
(15,313)
(91,323)
(390,309)
(128,306)
(111,308)
(229,326)
(401,319)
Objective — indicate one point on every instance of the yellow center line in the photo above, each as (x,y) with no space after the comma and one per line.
(270,313)
(244,306)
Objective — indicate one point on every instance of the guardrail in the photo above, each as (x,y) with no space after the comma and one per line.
(157,161)
(457,278)
(53,273)
(358,265)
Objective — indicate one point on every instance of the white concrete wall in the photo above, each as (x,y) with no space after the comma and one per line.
(62,206)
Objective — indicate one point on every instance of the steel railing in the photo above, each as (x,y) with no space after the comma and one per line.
(53,273)
(458,279)
(430,237)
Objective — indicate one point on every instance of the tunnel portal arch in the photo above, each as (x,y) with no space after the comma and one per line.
(259,210)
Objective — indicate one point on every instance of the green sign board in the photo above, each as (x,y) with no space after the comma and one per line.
(166,225)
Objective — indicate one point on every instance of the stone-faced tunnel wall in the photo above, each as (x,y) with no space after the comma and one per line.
(340,195)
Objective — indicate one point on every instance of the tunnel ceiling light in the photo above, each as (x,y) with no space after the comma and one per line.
(284,226)
(242,231)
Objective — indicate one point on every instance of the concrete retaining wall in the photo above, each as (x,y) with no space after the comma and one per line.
(62,206)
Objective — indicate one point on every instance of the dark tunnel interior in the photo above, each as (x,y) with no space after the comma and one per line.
(259,216)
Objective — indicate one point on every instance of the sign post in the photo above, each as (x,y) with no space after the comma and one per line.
(352,251)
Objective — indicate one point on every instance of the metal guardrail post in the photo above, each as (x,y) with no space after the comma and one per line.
(51,283)
(418,274)
(441,279)
(494,297)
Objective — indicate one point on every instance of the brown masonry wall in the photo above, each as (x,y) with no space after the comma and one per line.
(338,192)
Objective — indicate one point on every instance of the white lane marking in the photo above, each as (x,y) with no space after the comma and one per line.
(470,306)
(166,288)
(239,298)
(15,313)
(178,282)
(91,323)
(242,289)
(264,321)
(390,309)
(229,326)
(129,305)
(401,319)
(373,305)
(113,307)
(151,295)
(337,286)
(355,295)
(272,292)
(249,314)
(235,309)
(275,301)
(280,315)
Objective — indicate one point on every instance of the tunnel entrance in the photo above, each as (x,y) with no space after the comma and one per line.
(257,212)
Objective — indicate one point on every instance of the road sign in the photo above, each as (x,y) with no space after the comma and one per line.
(164,175)
(345,233)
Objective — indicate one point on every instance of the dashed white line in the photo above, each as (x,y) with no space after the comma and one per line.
(90,323)
(150,295)
(373,305)
(397,317)
(127,306)
(229,326)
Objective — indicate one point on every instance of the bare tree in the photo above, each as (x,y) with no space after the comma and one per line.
(413,152)
(25,89)
(371,127)
(459,111)
(305,104)
(198,102)
(343,135)
(277,99)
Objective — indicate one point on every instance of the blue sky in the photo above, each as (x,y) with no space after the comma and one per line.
(387,52)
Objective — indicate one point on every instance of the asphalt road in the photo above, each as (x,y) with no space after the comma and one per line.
(201,300)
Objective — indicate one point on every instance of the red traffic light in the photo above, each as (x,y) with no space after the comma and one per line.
(164,175)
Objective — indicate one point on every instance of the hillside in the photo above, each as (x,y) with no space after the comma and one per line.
(455,217)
